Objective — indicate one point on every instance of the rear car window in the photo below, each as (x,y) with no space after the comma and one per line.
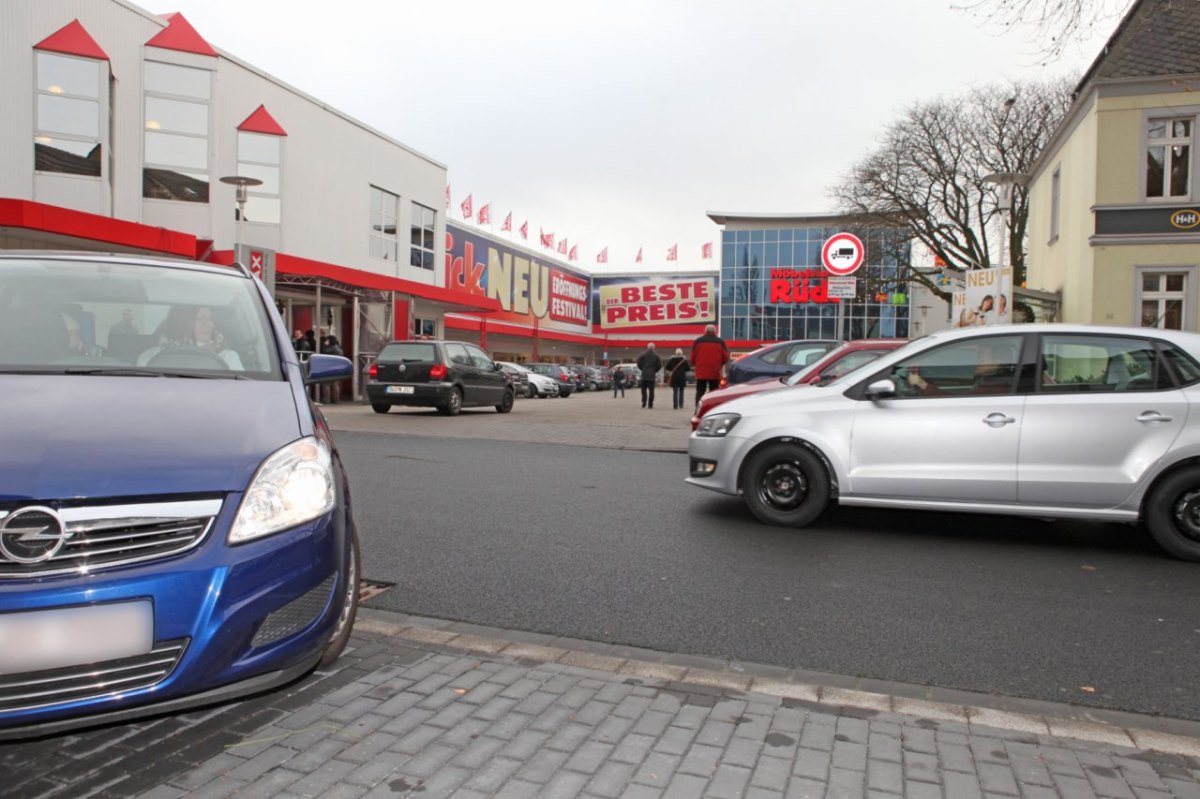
(414,352)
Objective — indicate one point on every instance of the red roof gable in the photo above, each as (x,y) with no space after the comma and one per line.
(180,35)
(72,39)
(262,122)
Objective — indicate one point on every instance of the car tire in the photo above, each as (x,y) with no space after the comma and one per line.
(1173,514)
(785,485)
(506,404)
(345,624)
(380,407)
(453,404)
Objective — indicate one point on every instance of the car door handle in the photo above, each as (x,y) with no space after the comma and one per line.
(997,420)
(1153,416)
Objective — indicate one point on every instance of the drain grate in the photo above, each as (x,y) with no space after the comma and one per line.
(369,589)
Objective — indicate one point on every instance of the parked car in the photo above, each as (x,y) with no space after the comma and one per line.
(558,373)
(520,378)
(542,386)
(175,521)
(600,378)
(836,363)
(778,360)
(1045,420)
(579,374)
(447,375)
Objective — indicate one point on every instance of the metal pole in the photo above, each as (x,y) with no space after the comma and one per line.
(354,350)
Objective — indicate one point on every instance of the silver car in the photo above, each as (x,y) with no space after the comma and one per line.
(1047,420)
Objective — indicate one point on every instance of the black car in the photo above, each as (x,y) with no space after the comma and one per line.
(557,372)
(447,375)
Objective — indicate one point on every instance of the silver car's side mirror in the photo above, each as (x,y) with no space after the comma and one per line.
(880,389)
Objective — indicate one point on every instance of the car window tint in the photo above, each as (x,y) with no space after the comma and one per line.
(973,367)
(409,352)
(1073,364)
(1185,367)
(851,362)
(457,354)
(772,356)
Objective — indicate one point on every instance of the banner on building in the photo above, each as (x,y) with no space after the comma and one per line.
(649,301)
(987,299)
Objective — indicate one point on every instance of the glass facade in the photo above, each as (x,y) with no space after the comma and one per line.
(757,305)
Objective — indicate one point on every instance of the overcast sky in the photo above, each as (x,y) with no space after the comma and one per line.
(621,123)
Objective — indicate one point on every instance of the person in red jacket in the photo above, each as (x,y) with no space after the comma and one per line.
(709,356)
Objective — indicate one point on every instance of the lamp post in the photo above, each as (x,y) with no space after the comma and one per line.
(242,183)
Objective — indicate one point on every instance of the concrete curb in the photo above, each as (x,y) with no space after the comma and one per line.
(1136,731)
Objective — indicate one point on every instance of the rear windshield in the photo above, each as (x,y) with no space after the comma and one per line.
(119,318)
(409,352)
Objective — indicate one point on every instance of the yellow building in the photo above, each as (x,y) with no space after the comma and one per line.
(1114,225)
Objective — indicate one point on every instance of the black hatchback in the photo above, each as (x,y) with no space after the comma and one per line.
(447,375)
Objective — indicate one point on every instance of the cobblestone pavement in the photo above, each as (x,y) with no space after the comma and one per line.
(426,709)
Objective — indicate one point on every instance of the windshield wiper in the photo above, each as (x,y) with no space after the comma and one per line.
(127,371)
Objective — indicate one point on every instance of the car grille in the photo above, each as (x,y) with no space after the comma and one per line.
(100,537)
(295,615)
(91,680)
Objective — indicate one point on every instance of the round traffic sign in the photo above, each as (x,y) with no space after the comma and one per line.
(842,253)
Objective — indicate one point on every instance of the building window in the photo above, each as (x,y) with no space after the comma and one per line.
(424,328)
(385,210)
(1168,157)
(258,157)
(423,220)
(70,115)
(1161,298)
(176,133)
(1055,202)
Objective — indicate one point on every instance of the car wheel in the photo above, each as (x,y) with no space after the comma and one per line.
(345,622)
(453,404)
(380,407)
(1173,514)
(785,485)
(506,404)
(595,387)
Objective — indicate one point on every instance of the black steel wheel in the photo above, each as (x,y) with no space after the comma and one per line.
(1172,513)
(785,484)
(506,404)
(453,404)
(380,407)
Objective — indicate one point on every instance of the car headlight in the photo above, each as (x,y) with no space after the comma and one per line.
(294,485)
(717,425)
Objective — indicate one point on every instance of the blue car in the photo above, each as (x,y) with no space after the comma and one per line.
(779,360)
(175,522)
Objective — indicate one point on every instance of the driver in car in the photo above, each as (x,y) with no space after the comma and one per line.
(191,328)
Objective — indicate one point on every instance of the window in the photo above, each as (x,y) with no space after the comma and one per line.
(975,367)
(1168,157)
(71,119)
(457,354)
(1161,297)
(176,133)
(479,358)
(258,157)
(425,328)
(423,220)
(1055,200)
(1073,364)
(385,209)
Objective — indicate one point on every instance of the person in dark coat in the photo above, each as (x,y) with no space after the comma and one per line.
(709,356)
(648,363)
(301,343)
(677,368)
(618,382)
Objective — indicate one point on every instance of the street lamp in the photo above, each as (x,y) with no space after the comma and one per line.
(242,183)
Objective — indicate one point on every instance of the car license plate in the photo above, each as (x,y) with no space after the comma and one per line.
(54,639)
(399,389)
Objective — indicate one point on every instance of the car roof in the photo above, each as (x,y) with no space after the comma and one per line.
(235,270)
(1183,338)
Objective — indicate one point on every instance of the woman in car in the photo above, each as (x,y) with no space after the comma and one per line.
(190,328)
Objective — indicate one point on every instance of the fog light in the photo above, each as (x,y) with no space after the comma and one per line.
(703,468)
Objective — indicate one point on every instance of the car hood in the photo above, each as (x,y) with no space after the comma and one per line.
(67,436)
(745,389)
(784,399)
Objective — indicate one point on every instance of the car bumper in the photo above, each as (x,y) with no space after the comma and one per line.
(713,463)
(421,394)
(226,620)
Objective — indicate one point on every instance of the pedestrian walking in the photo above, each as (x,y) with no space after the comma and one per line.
(709,356)
(648,363)
(677,368)
(618,382)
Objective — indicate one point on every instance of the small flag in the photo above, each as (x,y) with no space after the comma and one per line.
(485,214)
(602,256)
(507,223)
(574,256)
(706,250)
(672,251)
(562,246)
(547,238)
(525,230)
(638,260)
(447,196)
(466,207)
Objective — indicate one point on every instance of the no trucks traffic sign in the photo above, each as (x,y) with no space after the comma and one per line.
(842,253)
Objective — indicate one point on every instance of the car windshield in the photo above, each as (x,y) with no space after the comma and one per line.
(114,318)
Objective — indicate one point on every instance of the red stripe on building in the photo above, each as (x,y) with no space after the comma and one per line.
(39,217)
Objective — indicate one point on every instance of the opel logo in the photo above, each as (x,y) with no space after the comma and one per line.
(31,535)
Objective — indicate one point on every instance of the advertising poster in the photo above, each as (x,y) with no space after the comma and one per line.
(680,304)
(987,300)
(526,286)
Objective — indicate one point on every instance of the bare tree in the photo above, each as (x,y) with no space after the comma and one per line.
(1055,24)
(928,173)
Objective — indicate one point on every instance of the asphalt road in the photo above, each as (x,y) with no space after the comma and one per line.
(612,546)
